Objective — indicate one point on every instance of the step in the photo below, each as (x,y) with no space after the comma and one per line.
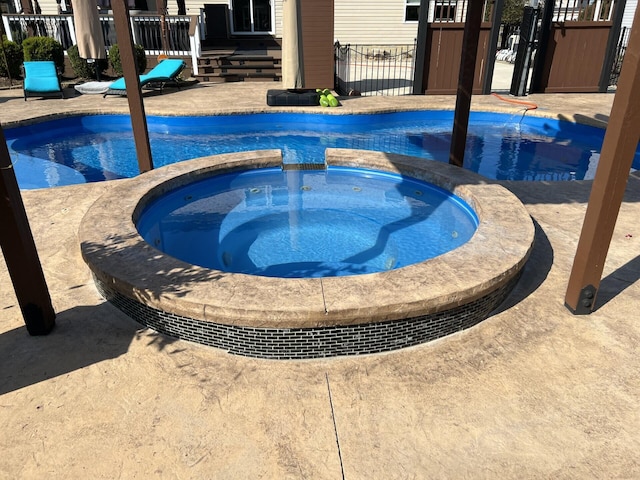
(244,43)
(274,78)
(237,60)
(252,58)
(240,69)
(234,77)
(252,75)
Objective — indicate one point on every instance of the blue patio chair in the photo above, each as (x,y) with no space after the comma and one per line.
(166,71)
(41,78)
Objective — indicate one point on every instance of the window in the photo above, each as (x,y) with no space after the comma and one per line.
(411,10)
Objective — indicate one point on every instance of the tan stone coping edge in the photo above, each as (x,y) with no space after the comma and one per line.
(361,110)
(122,260)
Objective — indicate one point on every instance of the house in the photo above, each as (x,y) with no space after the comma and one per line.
(387,22)
(217,36)
(355,21)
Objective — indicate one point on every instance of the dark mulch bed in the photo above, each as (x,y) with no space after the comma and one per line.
(17,82)
(4,82)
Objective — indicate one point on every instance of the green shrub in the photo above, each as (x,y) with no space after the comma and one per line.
(13,52)
(43,48)
(81,67)
(116,64)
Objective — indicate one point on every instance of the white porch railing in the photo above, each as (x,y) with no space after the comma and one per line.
(183,32)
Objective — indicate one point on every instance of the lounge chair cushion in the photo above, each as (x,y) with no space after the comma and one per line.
(166,71)
(41,77)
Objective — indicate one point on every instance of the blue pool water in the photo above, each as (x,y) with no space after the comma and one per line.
(294,224)
(499,146)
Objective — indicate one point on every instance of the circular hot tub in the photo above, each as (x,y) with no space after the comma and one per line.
(277,222)
(293,318)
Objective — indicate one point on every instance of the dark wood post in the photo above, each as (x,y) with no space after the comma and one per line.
(27,7)
(421,48)
(465,81)
(134,94)
(618,149)
(20,252)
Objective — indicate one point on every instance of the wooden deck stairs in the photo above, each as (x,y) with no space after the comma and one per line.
(256,61)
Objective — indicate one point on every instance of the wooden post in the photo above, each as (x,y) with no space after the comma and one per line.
(20,252)
(27,7)
(134,94)
(465,82)
(618,149)
(421,48)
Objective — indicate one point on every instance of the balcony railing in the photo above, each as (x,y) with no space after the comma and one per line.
(182,32)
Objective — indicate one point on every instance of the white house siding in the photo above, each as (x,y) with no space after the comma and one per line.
(372,23)
(49,7)
(629,12)
(355,21)
(278,19)
(193,6)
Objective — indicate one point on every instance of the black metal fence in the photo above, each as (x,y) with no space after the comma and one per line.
(619,56)
(374,69)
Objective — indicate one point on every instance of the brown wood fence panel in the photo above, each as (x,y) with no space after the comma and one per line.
(443,54)
(574,58)
(317,40)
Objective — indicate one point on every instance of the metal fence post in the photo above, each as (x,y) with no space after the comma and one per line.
(612,43)
(543,43)
(525,50)
(493,46)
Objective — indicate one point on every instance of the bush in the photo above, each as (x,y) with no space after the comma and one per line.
(81,67)
(13,51)
(43,48)
(116,64)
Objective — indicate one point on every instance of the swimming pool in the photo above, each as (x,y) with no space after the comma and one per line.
(499,146)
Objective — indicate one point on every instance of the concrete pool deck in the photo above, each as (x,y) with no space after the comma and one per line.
(531,392)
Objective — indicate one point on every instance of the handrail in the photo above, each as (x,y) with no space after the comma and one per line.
(183,36)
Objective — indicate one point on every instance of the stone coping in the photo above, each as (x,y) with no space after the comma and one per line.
(361,110)
(123,261)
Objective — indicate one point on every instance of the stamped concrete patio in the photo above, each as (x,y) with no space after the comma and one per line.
(532,392)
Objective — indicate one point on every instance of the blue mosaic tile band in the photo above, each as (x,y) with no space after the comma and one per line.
(308,343)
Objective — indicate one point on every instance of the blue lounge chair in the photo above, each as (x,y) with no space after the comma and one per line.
(165,72)
(41,78)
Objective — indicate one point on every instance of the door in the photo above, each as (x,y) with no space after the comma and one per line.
(252,16)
